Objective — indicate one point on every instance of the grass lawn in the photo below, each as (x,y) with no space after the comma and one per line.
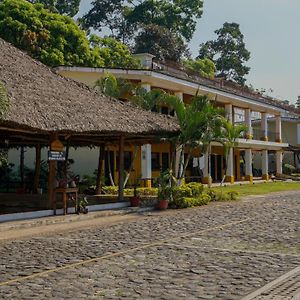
(261,188)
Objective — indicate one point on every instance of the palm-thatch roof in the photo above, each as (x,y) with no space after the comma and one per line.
(44,101)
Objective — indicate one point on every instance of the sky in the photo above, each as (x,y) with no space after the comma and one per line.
(271,34)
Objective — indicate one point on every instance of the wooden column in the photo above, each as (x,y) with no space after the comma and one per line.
(100,169)
(121,168)
(51,180)
(37,170)
(22,173)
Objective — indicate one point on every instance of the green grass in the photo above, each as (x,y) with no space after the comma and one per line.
(261,188)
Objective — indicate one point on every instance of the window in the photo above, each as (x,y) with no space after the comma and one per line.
(155,161)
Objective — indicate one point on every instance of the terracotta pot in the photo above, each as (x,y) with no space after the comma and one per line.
(162,204)
(135,201)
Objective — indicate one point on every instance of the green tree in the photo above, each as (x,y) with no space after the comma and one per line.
(160,42)
(65,7)
(49,37)
(205,67)
(113,53)
(57,40)
(123,17)
(228,53)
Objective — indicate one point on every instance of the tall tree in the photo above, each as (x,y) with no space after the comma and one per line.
(123,17)
(228,52)
(65,7)
(161,42)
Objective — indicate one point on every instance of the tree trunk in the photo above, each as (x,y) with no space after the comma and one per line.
(182,175)
(131,165)
(209,168)
(100,169)
(109,170)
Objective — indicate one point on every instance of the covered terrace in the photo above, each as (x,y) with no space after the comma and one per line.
(48,110)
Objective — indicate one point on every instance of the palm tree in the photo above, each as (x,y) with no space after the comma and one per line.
(199,125)
(118,88)
(230,133)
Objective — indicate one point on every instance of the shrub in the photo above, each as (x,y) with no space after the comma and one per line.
(110,190)
(288,169)
(146,191)
(196,187)
(212,194)
(181,192)
(225,196)
(128,192)
(203,199)
(234,195)
(186,202)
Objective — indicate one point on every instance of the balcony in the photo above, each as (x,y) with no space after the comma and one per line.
(257,134)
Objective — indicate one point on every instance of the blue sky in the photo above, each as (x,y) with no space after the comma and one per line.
(271,30)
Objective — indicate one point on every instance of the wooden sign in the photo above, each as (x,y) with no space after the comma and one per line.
(57,155)
(56,145)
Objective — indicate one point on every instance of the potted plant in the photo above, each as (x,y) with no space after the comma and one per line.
(163,197)
(166,181)
(81,206)
(136,199)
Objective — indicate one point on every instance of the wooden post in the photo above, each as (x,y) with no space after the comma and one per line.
(37,170)
(51,177)
(100,169)
(121,168)
(22,173)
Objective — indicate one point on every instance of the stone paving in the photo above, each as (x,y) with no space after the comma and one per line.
(220,251)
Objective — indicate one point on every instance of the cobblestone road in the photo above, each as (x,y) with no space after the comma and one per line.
(221,251)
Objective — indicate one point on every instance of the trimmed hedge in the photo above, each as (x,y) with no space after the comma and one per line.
(113,190)
(187,202)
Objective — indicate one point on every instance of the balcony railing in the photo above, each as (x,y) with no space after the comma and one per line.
(258,134)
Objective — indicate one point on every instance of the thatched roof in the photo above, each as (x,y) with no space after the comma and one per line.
(44,101)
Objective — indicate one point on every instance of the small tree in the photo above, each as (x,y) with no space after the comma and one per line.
(199,126)
(229,135)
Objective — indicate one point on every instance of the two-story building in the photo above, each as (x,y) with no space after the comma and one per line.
(239,103)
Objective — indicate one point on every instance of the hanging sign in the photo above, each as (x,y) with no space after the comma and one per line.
(57,155)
